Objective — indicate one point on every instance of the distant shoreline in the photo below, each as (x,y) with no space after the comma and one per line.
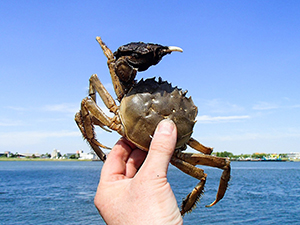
(41,159)
(90,160)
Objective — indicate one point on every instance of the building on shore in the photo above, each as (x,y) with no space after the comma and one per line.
(293,155)
(29,155)
(88,156)
(55,154)
(3,154)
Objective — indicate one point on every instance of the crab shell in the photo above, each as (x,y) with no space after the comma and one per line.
(149,102)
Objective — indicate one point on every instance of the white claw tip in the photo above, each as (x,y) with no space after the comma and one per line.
(174,49)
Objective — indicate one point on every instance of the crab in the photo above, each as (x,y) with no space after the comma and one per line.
(142,106)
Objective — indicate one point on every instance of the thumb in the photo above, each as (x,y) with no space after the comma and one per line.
(161,149)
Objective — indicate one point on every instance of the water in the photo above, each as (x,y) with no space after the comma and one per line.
(63,192)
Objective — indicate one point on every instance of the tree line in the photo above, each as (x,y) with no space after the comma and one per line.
(254,155)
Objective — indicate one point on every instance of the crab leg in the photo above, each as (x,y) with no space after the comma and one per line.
(97,86)
(222,186)
(96,111)
(207,160)
(118,87)
(84,122)
(91,114)
(189,203)
(199,147)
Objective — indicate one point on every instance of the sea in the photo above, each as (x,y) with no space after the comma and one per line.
(62,192)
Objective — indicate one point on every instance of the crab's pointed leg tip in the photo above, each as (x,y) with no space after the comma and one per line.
(98,39)
(212,204)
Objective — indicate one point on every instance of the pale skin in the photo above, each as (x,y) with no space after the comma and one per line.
(133,187)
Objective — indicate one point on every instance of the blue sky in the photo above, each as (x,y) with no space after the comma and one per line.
(240,65)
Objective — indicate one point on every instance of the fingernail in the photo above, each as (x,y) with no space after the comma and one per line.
(165,126)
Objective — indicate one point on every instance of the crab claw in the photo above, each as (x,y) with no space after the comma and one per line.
(141,56)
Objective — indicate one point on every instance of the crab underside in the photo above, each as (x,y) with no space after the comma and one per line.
(142,106)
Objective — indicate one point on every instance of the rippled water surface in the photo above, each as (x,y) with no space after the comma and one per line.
(63,192)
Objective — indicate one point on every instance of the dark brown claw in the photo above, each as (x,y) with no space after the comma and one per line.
(141,55)
(138,56)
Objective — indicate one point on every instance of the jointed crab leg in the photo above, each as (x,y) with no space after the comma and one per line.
(199,147)
(85,123)
(118,87)
(222,186)
(91,113)
(97,86)
(96,111)
(207,160)
(191,199)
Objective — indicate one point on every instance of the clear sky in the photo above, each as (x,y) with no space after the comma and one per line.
(241,65)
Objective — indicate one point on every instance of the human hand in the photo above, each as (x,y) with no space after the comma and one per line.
(133,187)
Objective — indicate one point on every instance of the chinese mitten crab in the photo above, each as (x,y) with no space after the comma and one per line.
(142,106)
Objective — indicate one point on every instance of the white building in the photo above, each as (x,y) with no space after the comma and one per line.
(55,154)
(293,155)
(89,156)
(30,155)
